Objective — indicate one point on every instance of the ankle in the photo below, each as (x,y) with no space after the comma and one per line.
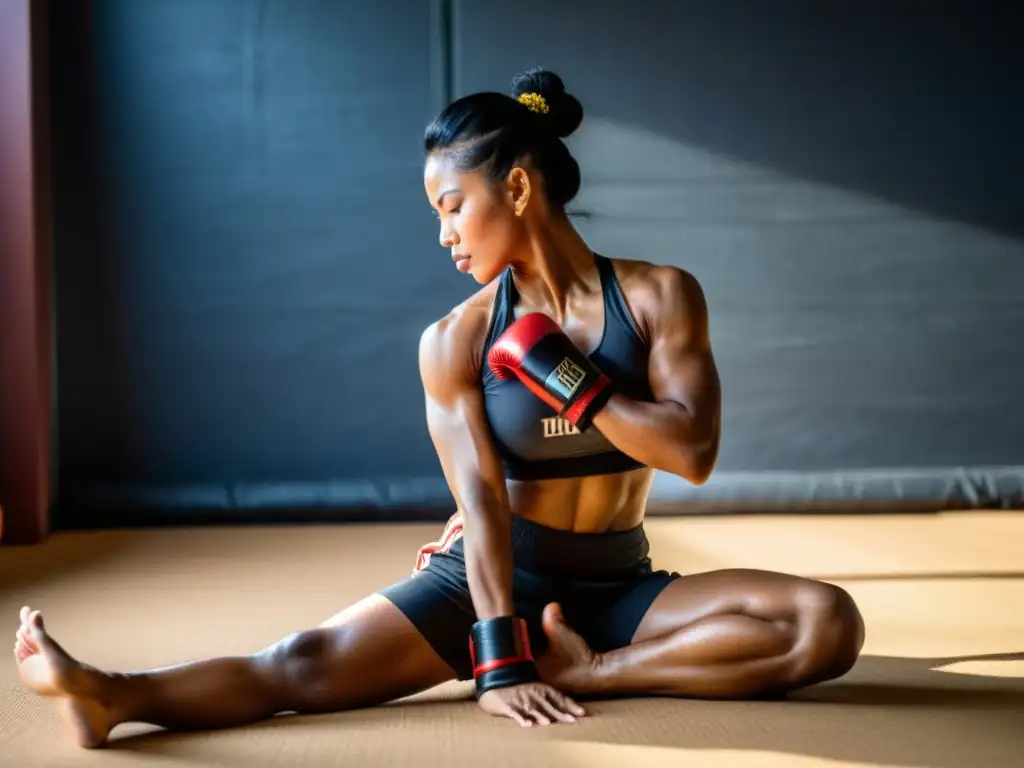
(114,692)
(587,678)
(601,670)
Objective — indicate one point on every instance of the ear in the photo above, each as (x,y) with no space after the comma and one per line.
(519,189)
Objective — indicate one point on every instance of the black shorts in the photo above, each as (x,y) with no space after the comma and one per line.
(604,582)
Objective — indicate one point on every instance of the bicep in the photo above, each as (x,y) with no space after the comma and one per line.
(466,451)
(457,424)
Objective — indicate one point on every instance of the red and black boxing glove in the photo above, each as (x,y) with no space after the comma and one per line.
(539,353)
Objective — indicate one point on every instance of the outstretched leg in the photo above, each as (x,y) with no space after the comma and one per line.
(723,634)
(366,655)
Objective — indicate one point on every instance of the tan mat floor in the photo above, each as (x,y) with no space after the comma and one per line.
(940,684)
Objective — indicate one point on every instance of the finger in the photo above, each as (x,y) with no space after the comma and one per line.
(573,707)
(537,713)
(528,708)
(557,711)
(518,716)
(566,704)
(23,614)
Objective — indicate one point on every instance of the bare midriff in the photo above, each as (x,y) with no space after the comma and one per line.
(595,504)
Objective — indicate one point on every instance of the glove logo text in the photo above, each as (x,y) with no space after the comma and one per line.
(569,375)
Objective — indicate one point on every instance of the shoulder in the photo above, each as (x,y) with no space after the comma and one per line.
(659,294)
(451,347)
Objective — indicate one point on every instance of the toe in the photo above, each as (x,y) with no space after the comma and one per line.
(24,637)
(553,614)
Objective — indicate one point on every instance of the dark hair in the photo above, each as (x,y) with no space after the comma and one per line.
(494,131)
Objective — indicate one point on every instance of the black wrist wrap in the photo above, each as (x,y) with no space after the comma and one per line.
(499,649)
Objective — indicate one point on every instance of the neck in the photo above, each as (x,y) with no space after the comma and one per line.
(556,263)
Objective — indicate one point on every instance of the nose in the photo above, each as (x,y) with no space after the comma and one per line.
(448,236)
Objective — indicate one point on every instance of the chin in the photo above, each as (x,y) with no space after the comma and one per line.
(484,274)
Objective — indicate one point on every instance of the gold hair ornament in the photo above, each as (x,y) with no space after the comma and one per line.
(534,102)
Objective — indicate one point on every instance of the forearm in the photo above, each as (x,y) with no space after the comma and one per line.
(498,642)
(663,435)
(487,542)
(488,551)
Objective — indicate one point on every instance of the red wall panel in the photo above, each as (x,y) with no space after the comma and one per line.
(25,305)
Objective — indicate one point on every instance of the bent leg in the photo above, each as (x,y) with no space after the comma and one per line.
(734,634)
(366,655)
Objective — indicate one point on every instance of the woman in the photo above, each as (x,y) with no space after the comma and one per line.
(540,587)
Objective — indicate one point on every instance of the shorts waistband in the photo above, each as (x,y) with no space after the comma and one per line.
(550,550)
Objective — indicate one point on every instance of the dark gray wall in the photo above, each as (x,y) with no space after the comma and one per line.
(245,256)
(843,180)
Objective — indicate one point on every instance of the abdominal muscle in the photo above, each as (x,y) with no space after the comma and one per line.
(596,504)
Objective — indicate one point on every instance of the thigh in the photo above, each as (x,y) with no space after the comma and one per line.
(765,595)
(365,655)
(437,604)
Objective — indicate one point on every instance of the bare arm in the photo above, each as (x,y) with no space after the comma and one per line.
(679,432)
(469,460)
(449,367)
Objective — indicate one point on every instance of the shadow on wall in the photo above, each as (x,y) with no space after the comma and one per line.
(904,102)
(842,180)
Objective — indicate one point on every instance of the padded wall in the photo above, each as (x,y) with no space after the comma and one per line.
(843,181)
(246,258)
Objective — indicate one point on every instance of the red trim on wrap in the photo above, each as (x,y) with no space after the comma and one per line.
(490,666)
(526,653)
(579,408)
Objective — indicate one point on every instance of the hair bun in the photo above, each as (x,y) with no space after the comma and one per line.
(565,113)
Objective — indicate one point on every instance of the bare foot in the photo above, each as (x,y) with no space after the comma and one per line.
(47,669)
(569,663)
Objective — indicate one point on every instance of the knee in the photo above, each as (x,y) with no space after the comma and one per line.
(831,634)
(299,660)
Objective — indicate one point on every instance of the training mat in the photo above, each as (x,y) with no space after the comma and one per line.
(940,684)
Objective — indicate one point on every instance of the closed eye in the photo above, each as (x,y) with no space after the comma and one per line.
(456,209)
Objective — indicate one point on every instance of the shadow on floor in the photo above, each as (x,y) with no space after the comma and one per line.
(933,576)
(889,710)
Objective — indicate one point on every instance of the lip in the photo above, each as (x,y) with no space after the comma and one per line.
(461,262)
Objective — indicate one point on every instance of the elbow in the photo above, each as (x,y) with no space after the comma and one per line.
(698,472)
(700,475)
(696,464)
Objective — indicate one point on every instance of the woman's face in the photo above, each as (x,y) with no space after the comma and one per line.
(480,224)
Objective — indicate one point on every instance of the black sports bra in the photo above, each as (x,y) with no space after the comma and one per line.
(534,443)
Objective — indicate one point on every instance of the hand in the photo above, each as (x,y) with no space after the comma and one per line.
(536,351)
(531,704)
